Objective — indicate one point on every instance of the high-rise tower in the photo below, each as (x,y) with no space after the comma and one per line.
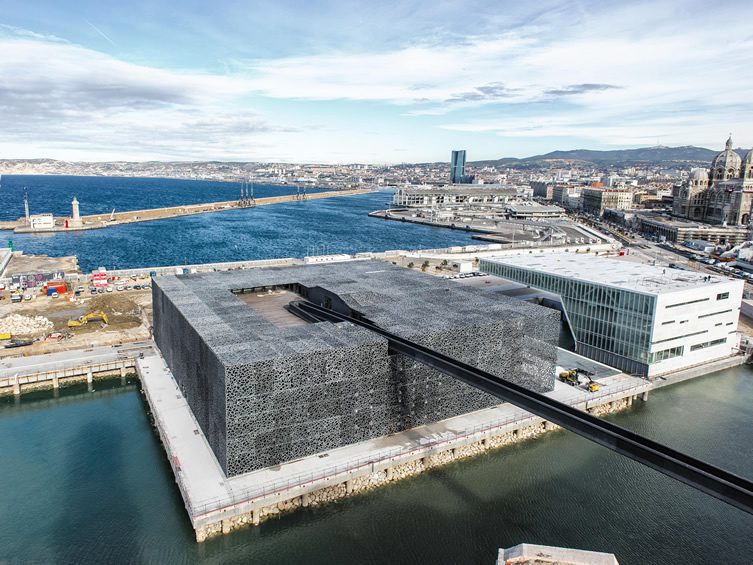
(457,166)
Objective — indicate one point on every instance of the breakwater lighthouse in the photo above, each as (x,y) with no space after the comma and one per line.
(75,216)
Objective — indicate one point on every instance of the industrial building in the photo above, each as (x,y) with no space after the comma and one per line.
(267,387)
(529,210)
(543,189)
(646,320)
(596,200)
(467,196)
(679,230)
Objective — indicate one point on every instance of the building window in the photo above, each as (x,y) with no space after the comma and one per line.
(704,345)
(722,296)
(714,313)
(669,322)
(680,337)
(693,301)
(665,354)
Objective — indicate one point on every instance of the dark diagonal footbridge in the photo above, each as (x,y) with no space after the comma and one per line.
(726,486)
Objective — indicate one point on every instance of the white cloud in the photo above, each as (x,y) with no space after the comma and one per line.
(627,73)
(64,97)
(633,67)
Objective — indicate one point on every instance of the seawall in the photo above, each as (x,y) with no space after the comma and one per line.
(99,221)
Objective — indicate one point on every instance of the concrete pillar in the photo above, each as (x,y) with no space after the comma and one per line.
(388,473)
(305,500)
(644,397)
(348,487)
(226,526)
(16,387)
(629,400)
(89,376)
(255,517)
(55,382)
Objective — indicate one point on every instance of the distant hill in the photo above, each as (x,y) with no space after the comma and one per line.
(659,154)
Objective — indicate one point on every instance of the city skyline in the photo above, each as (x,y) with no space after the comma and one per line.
(344,83)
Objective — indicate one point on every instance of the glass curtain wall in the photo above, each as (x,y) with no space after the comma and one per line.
(609,319)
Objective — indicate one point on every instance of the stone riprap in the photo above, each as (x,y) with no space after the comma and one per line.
(265,393)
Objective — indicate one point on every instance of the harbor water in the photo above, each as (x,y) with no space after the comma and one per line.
(84,479)
(295,229)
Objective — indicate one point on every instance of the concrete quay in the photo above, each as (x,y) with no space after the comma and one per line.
(510,233)
(530,554)
(53,370)
(698,370)
(98,221)
(217,504)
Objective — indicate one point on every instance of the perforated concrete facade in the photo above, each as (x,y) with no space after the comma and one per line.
(265,394)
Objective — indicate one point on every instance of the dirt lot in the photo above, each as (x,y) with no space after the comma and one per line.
(129,315)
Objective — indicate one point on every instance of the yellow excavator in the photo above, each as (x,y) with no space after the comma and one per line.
(571,377)
(90,317)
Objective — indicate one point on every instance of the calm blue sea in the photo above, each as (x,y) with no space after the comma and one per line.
(296,229)
(85,480)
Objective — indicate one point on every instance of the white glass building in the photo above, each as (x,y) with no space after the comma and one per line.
(642,319)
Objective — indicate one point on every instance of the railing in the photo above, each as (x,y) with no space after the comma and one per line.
(201,509)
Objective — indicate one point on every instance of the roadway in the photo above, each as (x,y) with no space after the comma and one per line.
(20,366)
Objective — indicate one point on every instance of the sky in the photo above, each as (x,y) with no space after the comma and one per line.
(369,82)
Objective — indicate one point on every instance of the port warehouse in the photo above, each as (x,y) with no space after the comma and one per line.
(266,390)
(644,319)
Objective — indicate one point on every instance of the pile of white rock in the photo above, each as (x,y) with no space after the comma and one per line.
(16,324)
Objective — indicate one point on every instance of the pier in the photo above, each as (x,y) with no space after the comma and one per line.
(98,221)
(217,505)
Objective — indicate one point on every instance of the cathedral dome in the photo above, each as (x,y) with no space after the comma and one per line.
(727,164)
(699,174)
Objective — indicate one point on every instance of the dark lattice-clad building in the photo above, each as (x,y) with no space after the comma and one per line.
(267,387)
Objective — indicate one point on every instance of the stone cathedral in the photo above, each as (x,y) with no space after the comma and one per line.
(721,195)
